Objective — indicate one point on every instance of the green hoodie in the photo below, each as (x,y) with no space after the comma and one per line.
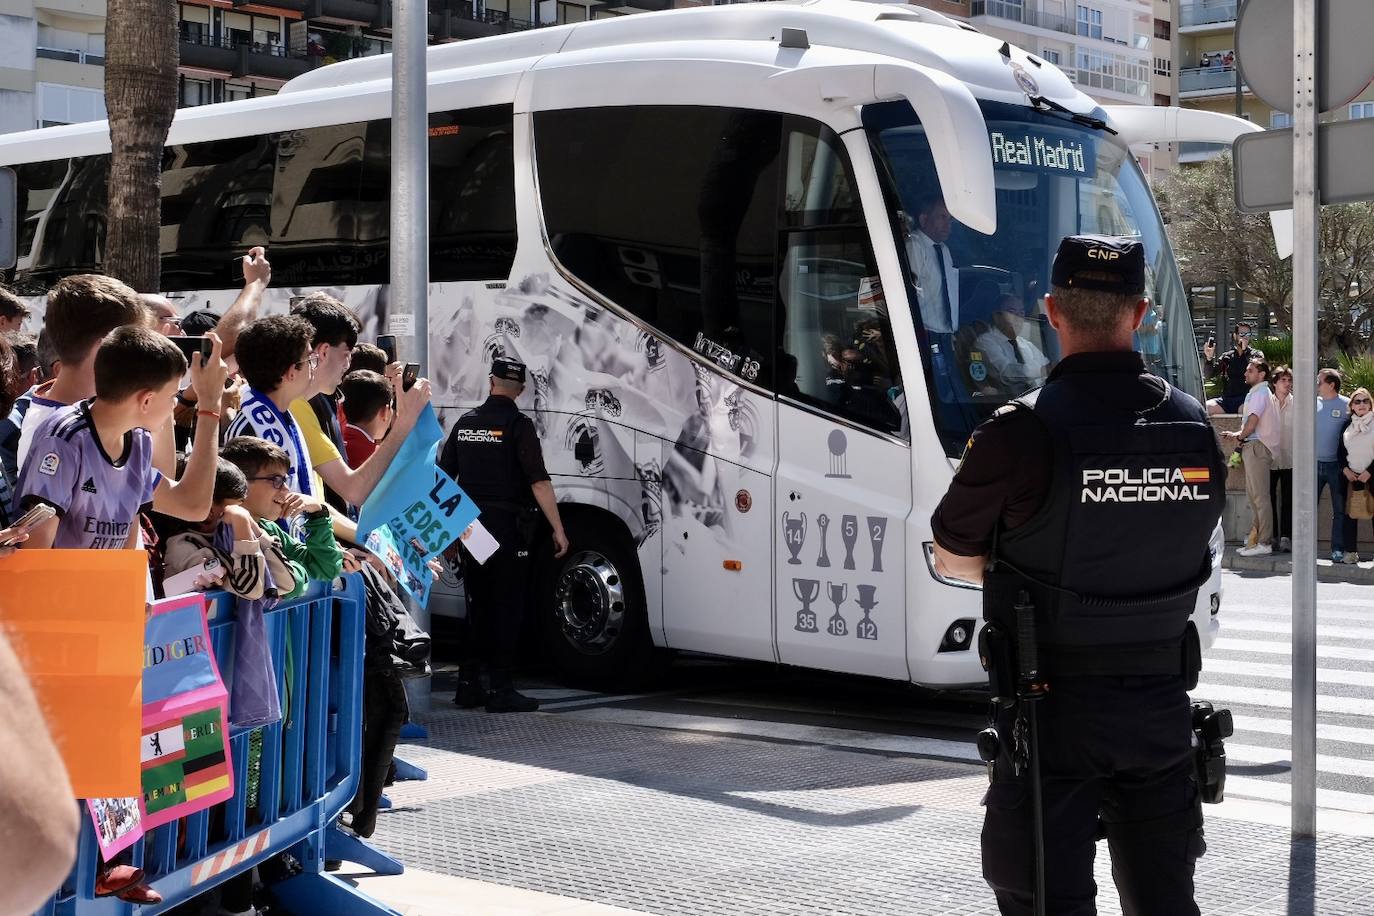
(318,558)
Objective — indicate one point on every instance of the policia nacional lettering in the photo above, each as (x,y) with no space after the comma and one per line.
(1147,485)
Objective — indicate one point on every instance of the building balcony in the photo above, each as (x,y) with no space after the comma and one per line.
(71,56)
(1016,12)
(458,21)
(1189,151)
(1195,82)
(270,61)
(643,6)
(370,13)
(1207,16)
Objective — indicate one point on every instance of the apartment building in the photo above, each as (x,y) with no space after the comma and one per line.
(54,50)
(1207,74)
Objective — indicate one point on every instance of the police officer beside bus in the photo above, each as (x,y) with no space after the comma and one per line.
(493,453)
(1085,509)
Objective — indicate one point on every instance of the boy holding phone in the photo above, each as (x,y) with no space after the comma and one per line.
(92,462)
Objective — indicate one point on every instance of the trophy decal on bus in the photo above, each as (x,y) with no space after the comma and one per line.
(794,535)
(877,529)
(838,593)
(823,522)
(867,601)
(849,535)
(838,445)
(806,591)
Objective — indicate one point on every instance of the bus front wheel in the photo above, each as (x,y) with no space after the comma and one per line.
(596,627)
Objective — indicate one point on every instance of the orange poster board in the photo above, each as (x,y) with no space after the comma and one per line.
(75,620)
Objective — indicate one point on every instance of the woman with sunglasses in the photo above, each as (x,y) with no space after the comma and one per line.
(1357,453)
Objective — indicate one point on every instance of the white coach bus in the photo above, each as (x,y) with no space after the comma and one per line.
(697,228)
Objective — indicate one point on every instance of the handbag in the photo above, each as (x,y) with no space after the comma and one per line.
(1359,501)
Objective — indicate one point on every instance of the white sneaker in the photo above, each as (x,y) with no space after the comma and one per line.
(1285,545)
(1351,558)
(1259,550)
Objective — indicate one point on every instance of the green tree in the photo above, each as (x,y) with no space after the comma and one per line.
(1213,240)
(141,98)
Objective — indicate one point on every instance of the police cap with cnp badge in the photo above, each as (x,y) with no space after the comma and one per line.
(1101,262)
(508,369)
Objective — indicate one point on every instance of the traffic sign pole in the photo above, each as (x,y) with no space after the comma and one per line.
(408,296)
(1306,212)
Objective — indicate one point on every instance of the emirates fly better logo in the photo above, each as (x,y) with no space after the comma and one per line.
(1145,485)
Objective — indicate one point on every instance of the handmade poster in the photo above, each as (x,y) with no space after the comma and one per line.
(184,751)
(400,560)
(421,507)
(118,823)
(75,621)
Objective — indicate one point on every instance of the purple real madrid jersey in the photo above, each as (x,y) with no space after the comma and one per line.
(97,497)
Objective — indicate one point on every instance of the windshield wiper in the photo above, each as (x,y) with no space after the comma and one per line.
(1088,120)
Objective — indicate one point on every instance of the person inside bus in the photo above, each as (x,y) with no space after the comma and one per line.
(1014,363)
(937,279)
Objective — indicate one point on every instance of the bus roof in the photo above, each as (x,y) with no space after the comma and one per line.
(360,89)
(827,22)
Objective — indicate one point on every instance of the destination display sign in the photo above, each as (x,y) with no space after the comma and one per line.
(1020,147)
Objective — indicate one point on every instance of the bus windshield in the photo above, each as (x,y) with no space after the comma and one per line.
(977,300)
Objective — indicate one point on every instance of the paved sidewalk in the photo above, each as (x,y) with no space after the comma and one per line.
(1281,564)
(668,821)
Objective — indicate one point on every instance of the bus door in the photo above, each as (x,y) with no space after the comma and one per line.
(842,489)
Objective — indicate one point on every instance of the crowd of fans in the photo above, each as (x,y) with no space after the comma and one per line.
(1263,395)
(233,445)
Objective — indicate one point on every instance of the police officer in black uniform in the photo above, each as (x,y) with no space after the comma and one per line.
(493,453)
(1086,510)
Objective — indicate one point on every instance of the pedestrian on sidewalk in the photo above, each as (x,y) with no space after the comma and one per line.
(1333,412)
(1281,473)
(1259,436)
(1357,448)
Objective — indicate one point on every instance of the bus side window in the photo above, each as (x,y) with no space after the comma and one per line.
(834,337)
(669,213)
(216,203)
(471,197)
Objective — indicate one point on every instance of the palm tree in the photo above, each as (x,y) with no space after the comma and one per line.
(141,98)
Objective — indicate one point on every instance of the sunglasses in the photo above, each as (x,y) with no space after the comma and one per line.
(313,361)
(279,481)
(1362,401)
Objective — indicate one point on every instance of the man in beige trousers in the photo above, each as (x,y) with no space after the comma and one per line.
(1259,435)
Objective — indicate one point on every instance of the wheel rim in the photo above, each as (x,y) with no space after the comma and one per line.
(589,600)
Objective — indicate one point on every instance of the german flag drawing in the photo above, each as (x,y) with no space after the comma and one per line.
(185,766)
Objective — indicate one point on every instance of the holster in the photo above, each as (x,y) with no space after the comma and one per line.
(997,653)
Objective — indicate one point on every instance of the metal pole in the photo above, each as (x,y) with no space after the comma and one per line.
(408,302)
(1306,211)
(409,298)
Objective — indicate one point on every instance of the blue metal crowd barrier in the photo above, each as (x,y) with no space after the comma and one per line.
(310,763)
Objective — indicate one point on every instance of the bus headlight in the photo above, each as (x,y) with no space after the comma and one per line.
(929,549)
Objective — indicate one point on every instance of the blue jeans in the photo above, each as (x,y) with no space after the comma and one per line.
(1329,475)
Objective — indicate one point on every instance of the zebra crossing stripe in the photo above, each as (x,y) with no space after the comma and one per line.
(1285,672)
(1343,733)
(1230,695)
(1248,754)
(1267,790)
(1267,647)
(1285,626)
(221,862)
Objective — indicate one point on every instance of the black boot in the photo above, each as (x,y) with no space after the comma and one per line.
(471,693)
(508,699)
(503,696)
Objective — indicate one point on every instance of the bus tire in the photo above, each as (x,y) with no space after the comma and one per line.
(595,626)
